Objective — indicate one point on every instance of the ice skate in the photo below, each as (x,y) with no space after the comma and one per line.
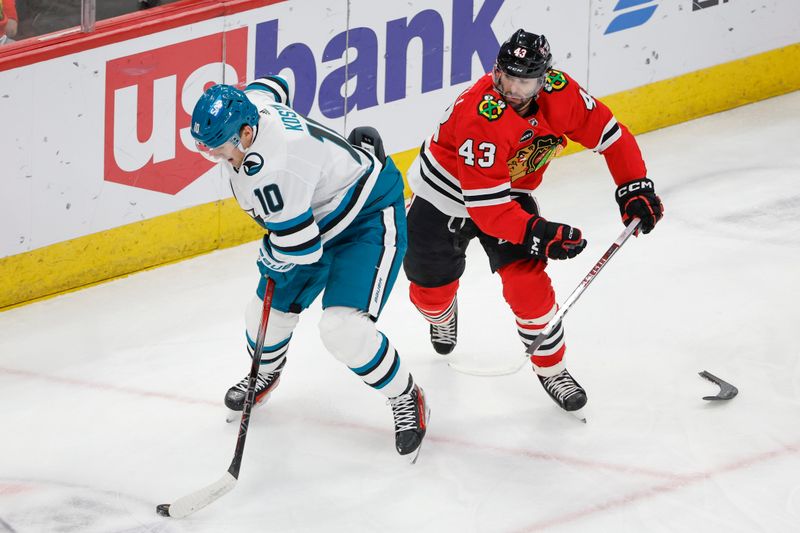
(566,392)
(444,336)
(411,414)
(265,384)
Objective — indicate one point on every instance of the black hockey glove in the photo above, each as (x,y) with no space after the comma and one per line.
(638,199)
(552,240)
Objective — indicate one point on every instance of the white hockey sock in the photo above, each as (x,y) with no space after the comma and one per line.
(272,357)
(384,371)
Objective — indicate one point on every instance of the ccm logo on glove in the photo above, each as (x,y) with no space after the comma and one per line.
(635,186)
(638,199)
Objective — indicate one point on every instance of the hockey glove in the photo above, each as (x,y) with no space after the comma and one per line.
(638,199)
(552,240)
(275,269)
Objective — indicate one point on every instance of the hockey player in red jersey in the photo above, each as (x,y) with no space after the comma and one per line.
(475,176)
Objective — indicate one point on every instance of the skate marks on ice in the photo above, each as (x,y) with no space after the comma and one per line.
(678,482)
(766,212)
(38,505)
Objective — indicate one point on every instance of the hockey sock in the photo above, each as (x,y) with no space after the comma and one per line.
(547,357)
(436,304)
(272,357)
(384,371)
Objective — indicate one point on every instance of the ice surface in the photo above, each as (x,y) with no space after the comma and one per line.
(111,397)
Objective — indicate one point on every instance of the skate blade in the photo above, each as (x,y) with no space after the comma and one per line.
(419,448)
(579,414)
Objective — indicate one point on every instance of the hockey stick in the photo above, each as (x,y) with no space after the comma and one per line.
(197,500)
(726,390)
(559,316)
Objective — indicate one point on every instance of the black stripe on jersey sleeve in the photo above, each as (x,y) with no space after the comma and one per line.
(353,200)
(294,229)
(292,250)
(283,84)
(438,189)
(423,168)
(610,133)
(468,198)
(435,172)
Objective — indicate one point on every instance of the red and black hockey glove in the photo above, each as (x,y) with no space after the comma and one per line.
(638,199)
(552,240)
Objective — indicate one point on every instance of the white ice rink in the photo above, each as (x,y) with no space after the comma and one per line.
(111,397)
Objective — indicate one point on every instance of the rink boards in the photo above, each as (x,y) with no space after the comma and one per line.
(100,174)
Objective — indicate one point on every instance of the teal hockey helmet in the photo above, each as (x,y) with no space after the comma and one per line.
(219,115)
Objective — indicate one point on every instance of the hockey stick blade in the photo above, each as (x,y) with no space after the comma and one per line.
(726,390)
(487,372)
(197,500)
(200,498)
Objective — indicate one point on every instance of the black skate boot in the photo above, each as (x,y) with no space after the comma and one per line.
(265,384)
(566,392)
(411,415)
(443,336)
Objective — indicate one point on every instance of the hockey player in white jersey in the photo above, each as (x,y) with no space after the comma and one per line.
(336,224)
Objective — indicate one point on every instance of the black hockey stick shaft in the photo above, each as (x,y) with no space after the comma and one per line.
(629,230)
(200,498)
(250,397)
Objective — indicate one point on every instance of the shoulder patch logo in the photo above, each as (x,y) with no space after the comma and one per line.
(490,108)
(253,163)
(555,81)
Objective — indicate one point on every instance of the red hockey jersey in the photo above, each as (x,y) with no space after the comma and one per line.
(483,153)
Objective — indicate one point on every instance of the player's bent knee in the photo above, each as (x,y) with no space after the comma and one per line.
(279,327)
(348,334)
(527,288)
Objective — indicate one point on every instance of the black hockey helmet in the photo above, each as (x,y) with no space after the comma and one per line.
(525,55)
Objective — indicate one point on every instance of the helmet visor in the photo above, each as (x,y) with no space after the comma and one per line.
(514,88)
(220,153)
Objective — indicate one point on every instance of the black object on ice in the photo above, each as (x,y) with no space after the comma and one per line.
(726,392)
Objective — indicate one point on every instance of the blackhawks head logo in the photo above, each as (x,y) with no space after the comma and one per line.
(490,108)
(534,156)
(555,81)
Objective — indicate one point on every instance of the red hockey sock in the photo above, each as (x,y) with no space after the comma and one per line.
(435,303)
(529,293)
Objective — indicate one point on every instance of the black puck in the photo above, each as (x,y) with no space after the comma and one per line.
(163,509)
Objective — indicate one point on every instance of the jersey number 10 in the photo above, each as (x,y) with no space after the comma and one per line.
(270,198)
